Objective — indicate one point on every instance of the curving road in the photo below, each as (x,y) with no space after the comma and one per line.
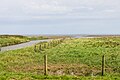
(22,45)
(27,44)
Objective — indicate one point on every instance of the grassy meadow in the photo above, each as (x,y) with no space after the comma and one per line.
(78,59)
(6,40)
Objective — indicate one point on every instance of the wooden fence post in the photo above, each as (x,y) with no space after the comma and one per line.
(0,48)
(45,64)
(45,45)
(48,45)
(40,47)
(103,65)
(53,43)
(35,48)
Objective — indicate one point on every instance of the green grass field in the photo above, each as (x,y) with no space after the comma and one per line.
(73,59)
(6,40)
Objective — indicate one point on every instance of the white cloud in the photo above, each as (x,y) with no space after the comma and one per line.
(59,8)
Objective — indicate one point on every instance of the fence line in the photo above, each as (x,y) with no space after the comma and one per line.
(46,45)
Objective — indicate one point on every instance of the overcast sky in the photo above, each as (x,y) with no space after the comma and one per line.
(59,16)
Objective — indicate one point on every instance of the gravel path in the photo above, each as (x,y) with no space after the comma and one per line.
(23,45)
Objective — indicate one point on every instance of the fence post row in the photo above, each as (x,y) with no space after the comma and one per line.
(54,43)
(47,45)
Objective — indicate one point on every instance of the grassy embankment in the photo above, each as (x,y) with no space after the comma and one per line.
(7,40)
(73,59)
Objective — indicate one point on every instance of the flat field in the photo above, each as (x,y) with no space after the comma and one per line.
(79,59)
